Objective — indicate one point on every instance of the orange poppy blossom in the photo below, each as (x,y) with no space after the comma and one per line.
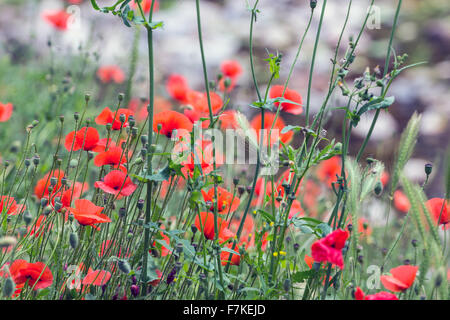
(113,117)
(139,107)
(37,274)
(401,202)
(114,156)
(118,183)
(9,205)
(88,214)
(111,73)
(228,120)
(169,121)
(202,156)
(278,125)
(178,88)
(401,278)
(226,202)
(67,195)
(291,95)
(96,278)
(104,144)
(86,138)
(329,169)
(59,19)
(6,111)
(440,211)
(41,188)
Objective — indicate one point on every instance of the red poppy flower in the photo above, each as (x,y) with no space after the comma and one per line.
(328,170)
(171,120)
(97,278)
(139,107)
(201,157)
(329,249)
(292,95)
(225,200)
(231,68)
(269,119)
(6,111)
(207,225)
(440,211)
(164,250)
(225,256)
(118,183)
(383,295)
(112,249)
(401,278)
(70,194)
(228,120)
(199,101)
(363,227)
(146,5)
(41,188)
(37,274)
(112,73)
(86,138)
(59,19)
(87,213)
(108,116)
(114,156)
(10,206)
(178,88)
(401,202)
(384,178)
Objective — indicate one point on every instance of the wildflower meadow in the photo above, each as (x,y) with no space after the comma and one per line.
(147,154)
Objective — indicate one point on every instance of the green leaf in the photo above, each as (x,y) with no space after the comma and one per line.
(301,276)
(156,24)
(374,104)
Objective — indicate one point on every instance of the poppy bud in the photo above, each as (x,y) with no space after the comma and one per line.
(121,96)
(143,152)
(235,181)
(140,204)
(76,116)
(241,190)
(108,126)
(134,290)
(27,162)
(227,82)
(44,202)
(73,240)
(378,188)
(27,217)
(122,212)
(87,97)
(313,4)
(350,227)
(36,160)
(428,169)
(124,266)
(296,246)
(134,131)
(122,118)
(287,285)
(8,287)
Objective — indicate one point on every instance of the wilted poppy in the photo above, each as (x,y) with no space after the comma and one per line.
(170,121)
(291,95)
(113,117)
(401,278)
(118,183)
(37,274)
(329,248)
(112,73)
(6,111)
(226,201)
(86,138)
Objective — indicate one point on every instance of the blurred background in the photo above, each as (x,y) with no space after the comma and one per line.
(96,39)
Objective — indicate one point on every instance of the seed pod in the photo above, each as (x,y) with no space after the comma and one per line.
(73,240)
(124,266)
(378,188)
(8,287)
(287,285)
(27,217)
(428,169)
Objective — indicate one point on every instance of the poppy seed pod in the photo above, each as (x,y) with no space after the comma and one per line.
(428,169)
(73,163)
(124,266)
(76,116)
(73,240)
(47,210)
(414,243)
(44,202)
(8,287)
(27,217)
(378,188)
(58,205)
(122,212)
(122,118)
(36,160)
(27,162)
(313,4)
(140,204)
(121,96)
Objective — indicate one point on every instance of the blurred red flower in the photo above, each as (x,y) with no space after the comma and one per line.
(108,116)
(383,295)
(178,88)
(269,120)
(146,5)
(440,211)
(292,95)
(401,202)
(97,278)
(5,111)
(329,249)
(10,206)
(226,202)
(328,170)
(41,188)
(206,224)
(59,19)
(401,278)
(169,121)
(114,156)
(118,183)
(37,274)
(111,73)
(86,138)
